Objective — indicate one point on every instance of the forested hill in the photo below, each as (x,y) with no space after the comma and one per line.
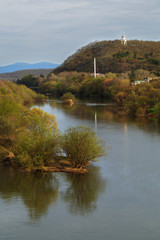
(112,56)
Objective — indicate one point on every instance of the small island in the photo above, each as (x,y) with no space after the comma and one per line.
(68,99)
(30,139)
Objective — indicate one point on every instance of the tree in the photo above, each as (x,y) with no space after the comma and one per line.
(38,139)
(81,145)
(28,80)
(68,95)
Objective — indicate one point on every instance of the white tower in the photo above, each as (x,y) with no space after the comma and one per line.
(95,73)
(123,40)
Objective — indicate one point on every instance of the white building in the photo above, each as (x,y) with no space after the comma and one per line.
(123,40)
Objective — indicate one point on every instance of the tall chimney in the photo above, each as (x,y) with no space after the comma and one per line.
(95,67)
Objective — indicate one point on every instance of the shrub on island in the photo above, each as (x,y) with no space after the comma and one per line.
(68,98)
(81,146)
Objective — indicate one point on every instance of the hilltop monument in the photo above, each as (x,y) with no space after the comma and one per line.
(123,40)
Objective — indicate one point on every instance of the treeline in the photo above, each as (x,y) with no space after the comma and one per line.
(113,57)
(138,99)
(29,138)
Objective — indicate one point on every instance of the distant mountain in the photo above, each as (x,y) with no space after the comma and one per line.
(13,76)
(112,56)
(23,66)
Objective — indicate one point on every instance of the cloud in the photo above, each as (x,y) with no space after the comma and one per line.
(41,28)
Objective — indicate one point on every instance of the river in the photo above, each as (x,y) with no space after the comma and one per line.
(117,200)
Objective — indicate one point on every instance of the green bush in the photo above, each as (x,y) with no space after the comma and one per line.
(10,114)
(68,95)
(81,145)
(5,127)
(8,106)
(3,91)
(37,142)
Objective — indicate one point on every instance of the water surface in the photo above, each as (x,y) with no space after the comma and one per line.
(118,199)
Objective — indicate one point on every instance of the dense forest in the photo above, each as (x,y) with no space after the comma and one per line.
(112,56)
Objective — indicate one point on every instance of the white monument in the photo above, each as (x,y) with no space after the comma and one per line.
(95,73)
(123,40)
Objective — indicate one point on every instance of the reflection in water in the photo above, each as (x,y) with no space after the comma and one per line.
(125,145)
(37,191)
(95,121)
(104,112)
(151,125)
(84,190)
(129,209)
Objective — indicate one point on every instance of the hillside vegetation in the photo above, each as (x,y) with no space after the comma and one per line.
(119,68)
(21,95)
(138,100)
(112,56)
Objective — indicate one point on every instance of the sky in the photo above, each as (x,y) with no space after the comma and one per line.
(51,30)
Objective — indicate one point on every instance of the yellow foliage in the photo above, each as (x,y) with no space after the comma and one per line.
(107,81)
(37,119)
(124,82)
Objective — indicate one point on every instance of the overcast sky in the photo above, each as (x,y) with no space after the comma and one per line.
(51,30)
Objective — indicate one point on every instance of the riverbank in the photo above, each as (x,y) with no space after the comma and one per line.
(56,169)
(137,98)
(123,185)
(7,158)
(30,138)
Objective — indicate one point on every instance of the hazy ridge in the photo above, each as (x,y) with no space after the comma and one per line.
(13,76)
(23,66)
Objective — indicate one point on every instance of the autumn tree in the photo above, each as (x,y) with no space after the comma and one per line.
(38,140)
(81,145)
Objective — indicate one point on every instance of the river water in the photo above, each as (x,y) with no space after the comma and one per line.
(118,199)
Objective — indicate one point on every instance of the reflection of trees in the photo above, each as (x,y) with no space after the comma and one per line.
(104,111)
(37,191)
(110,113)
(149,125)
(84,191)
(80,111)
(107,113)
